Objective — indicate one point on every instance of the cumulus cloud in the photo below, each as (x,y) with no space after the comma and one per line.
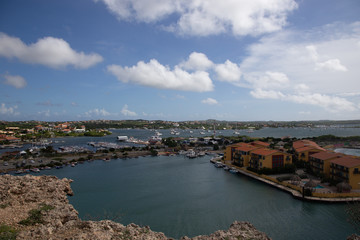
(154,74)
(126,112)
(207,17)
(209,101)
(4,110)
(228,72)
(197,61)
(48,51)
(330,103)
(97,112)
(268,80)
(15,81)
(305,67)
(317,58)
(330,64)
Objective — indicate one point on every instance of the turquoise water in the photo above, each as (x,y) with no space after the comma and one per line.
(179,196)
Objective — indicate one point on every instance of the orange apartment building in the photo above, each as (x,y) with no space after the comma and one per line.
(320,162)
(304,148)
(346,169)
(269,158)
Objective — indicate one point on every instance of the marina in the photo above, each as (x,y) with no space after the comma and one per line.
(195,190)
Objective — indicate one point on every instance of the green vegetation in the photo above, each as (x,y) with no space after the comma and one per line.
(4,205)
(36,215)
(332,138)
(7,232)
(169,142)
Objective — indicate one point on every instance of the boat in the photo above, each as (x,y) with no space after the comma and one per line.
(233,170)
(191,154)
(36,170)
(122,138)
(219,165)
(216,159)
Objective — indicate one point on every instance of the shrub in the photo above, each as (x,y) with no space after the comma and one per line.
(35,215)
(7,232)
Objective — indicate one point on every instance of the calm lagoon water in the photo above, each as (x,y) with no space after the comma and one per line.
(180,196)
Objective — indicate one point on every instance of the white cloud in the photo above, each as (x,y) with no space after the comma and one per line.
(210,101)
(47,51)
(228,71)
(8,110)
(330,103)
(305,67)
(126,112)
(330,64)
(268,80)
(197,61)
(266,94)
(154,74)
(15,81)
(97,112)
(309,58)
(46,113)
(208,17)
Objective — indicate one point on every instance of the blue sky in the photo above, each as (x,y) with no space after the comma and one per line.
(178,60)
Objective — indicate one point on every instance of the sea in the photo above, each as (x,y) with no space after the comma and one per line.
(189,197)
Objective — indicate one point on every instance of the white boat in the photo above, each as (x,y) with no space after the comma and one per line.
(122,138)
(191,154)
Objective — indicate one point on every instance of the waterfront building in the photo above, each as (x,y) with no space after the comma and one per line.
(304,148)
(346,169)
(242,155)
(320,162)
(269,158)
(230,150)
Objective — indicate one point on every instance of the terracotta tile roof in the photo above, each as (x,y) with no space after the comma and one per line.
(246,148)
(304,143)
(326,155)
(347,162)
(240,144)
(264,144)
(265,151)
(304,149)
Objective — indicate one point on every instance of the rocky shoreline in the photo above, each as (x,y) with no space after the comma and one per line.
(36,207)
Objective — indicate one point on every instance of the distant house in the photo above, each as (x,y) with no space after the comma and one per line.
(346,169)
(66,130)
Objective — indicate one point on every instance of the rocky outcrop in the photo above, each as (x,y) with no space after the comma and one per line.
(37,206)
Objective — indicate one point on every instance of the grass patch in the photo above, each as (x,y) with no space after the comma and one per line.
(7,232)
(4,205)
(36,215)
